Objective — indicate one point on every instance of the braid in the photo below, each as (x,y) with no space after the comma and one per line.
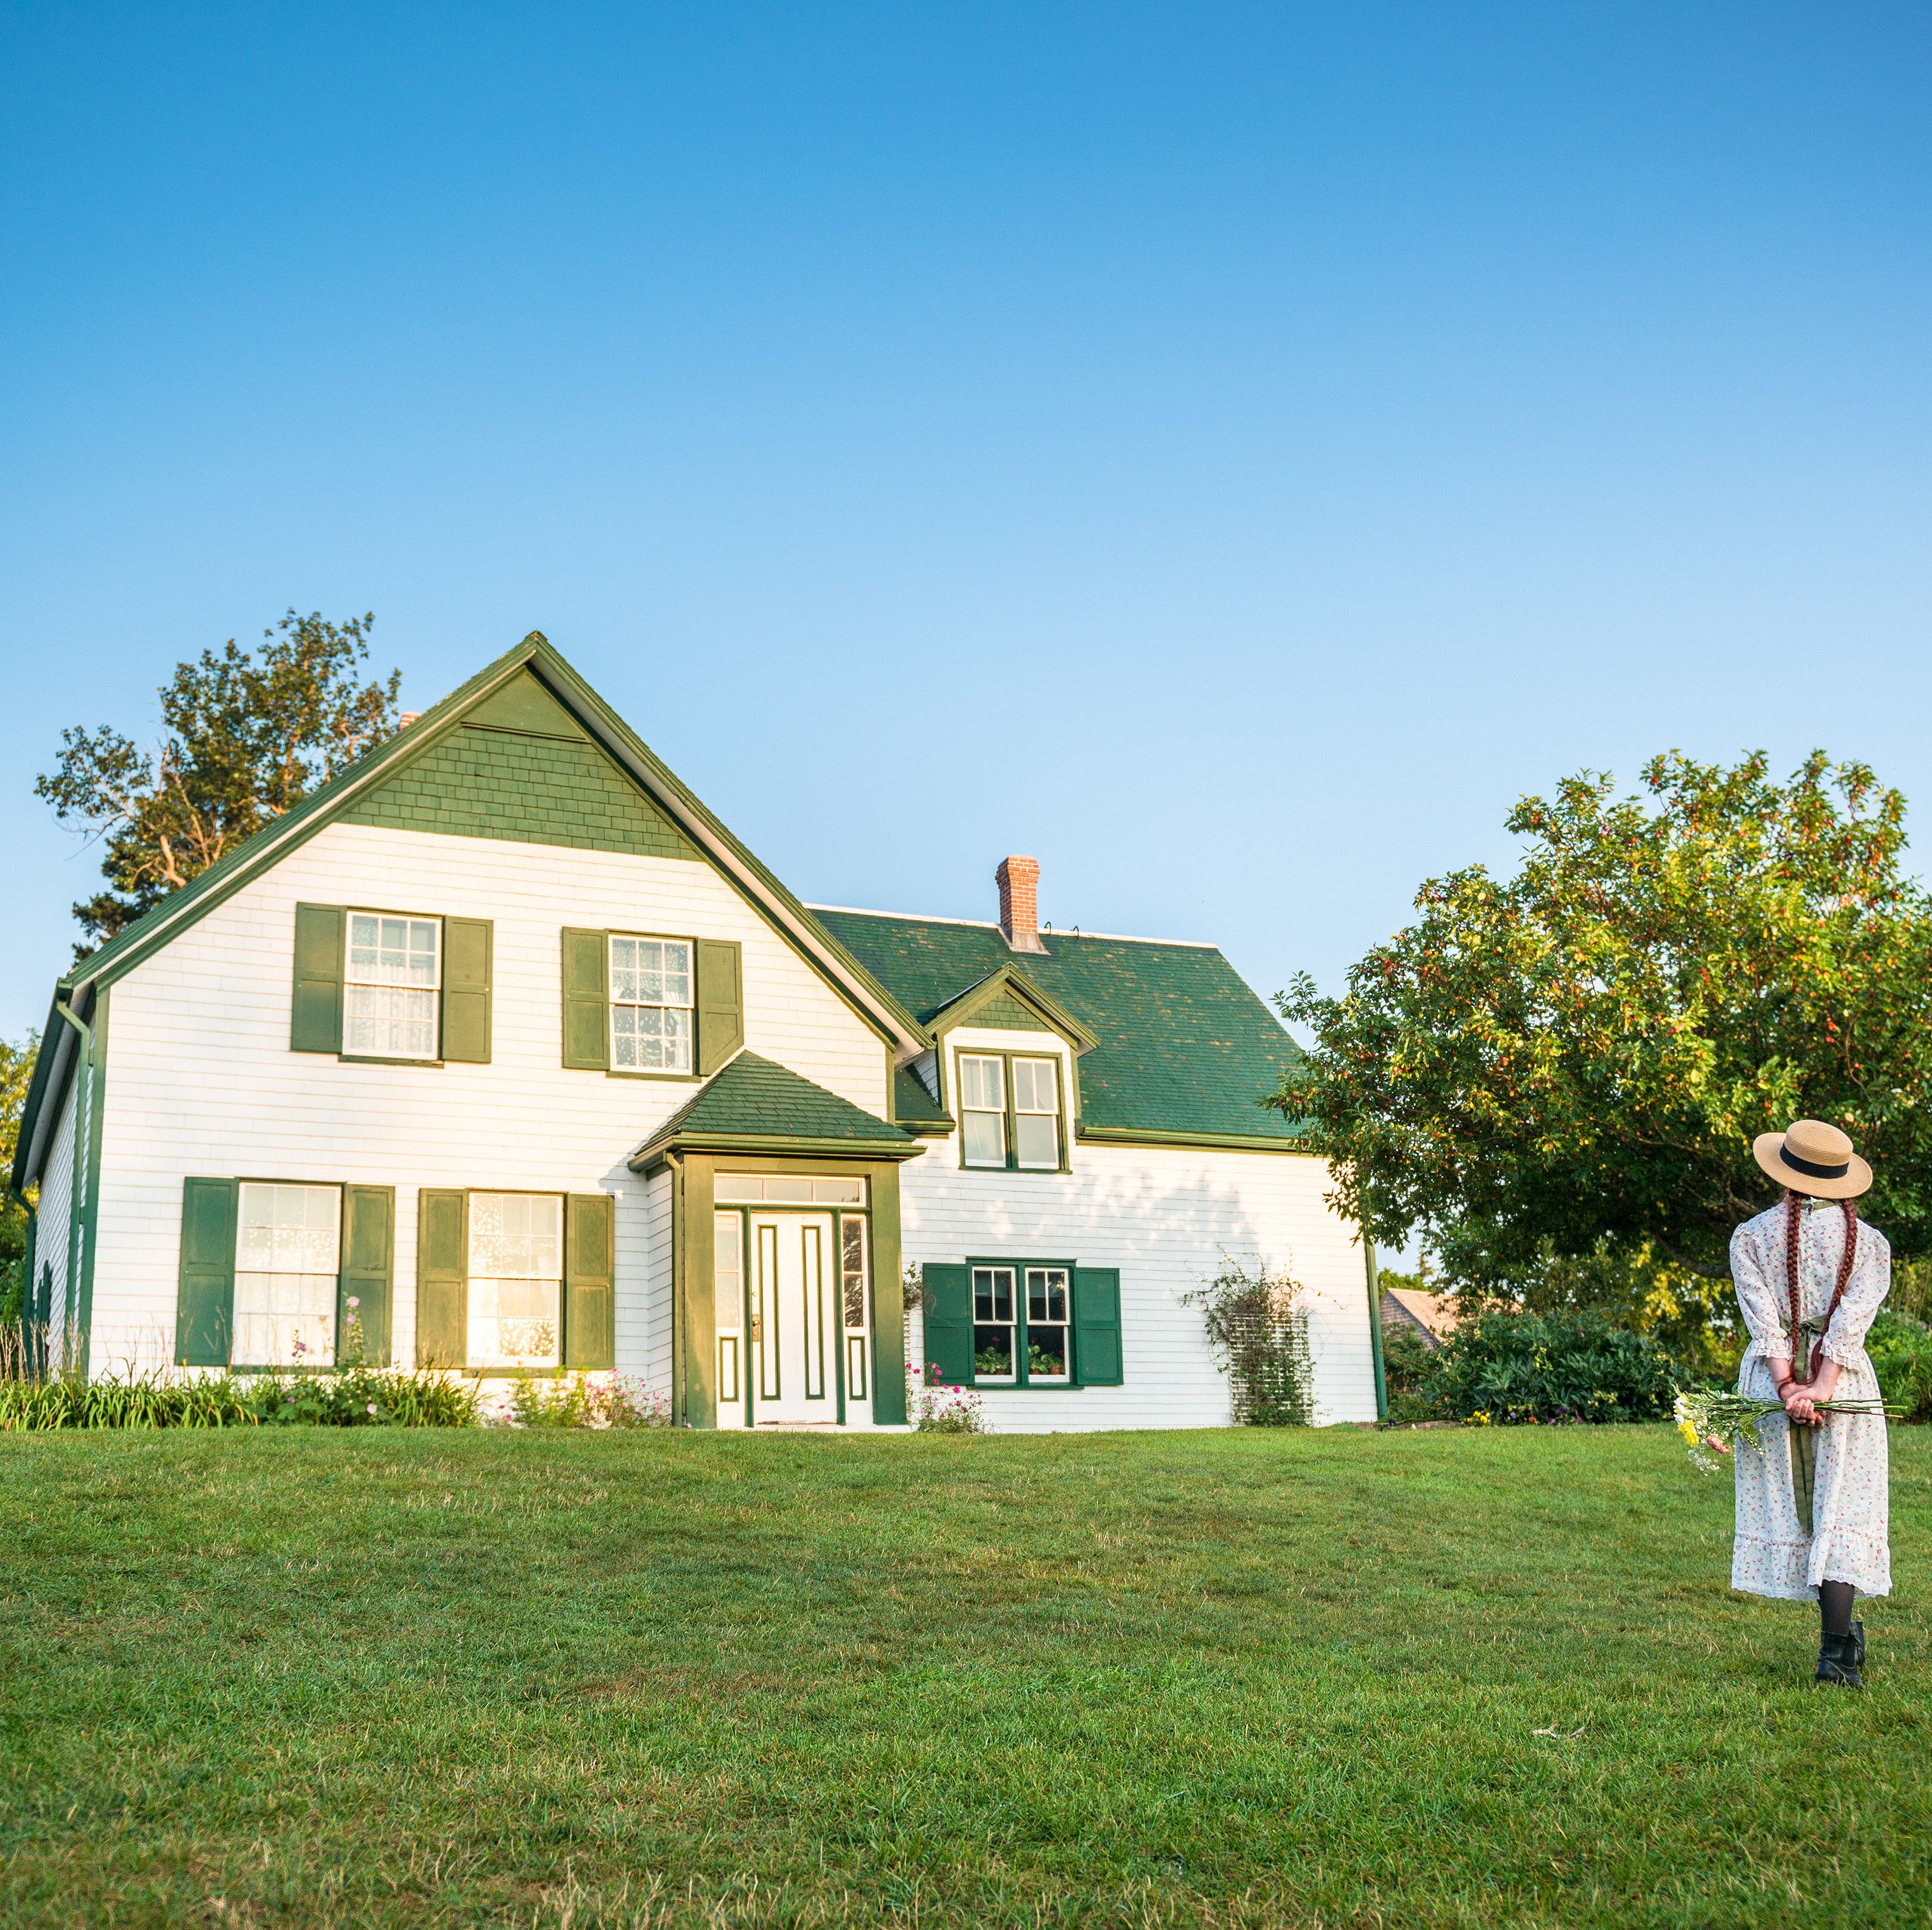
(1794,1213)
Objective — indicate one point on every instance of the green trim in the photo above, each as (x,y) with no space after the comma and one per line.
(1009,983)
(1223,1142)
(91,1210)
(372,1058)
(797,1147)
(1375,1326)
(663,1078)
(1012,1164)
(883,1247)
(698,1289)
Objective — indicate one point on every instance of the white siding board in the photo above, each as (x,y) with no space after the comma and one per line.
(54,1219)
(202,1079)
(1165,1216)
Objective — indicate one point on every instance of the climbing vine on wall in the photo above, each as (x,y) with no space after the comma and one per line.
(1259,1330)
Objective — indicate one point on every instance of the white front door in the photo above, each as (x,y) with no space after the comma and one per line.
(794,1322)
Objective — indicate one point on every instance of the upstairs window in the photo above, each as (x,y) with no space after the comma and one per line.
(391,987)
(982,1109)
(1010,1112)
(650,1005)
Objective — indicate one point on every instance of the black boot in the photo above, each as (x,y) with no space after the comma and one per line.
(1838,1658)
(1858,1645)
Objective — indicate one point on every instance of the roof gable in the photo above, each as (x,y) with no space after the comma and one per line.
(1183,1046)
(1007,999)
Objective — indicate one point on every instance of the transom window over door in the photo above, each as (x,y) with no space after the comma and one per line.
(394,974)
(651,1005)
(516,1273)
(287,1255)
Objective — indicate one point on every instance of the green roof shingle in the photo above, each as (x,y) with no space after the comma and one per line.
(1185,1045)
(755,1098)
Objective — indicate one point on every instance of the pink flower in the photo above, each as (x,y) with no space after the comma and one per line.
(353,1302)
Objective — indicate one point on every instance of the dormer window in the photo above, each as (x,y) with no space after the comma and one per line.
(1009,1112)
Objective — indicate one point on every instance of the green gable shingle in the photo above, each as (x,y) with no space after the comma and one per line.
(480,782)
(1185,1046)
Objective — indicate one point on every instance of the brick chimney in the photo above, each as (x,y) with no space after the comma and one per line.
(1019,881)
(407,718)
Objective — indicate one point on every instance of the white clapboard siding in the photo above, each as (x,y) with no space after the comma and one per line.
(201,1079)
(1165,1216)
(54,1219)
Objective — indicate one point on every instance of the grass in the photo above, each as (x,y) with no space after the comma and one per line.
(1241,1679)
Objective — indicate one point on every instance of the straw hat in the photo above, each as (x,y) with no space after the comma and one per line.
(1813,1157)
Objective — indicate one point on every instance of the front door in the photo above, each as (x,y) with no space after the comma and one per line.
(795,1316)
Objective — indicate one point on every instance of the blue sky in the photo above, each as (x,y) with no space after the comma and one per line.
(1229,453)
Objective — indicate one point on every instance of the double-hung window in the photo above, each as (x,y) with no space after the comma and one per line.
(1009,1112)
(993,1326)
(651,1005)
(390,986)
(516,1272)
(287,1255)
(1046,1352)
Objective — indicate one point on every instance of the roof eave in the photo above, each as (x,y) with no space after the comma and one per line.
(654,1152)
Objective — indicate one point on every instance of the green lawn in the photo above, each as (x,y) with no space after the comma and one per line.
(1243,1678)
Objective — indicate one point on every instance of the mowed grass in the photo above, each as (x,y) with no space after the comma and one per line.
(1242,1678)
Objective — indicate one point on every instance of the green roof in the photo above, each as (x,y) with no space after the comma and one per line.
(1185,1045)
(913,1106)
(754,1099)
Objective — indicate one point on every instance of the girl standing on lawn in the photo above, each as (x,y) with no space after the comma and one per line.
(1811,1499)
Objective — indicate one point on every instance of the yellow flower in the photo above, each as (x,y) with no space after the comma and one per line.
(1687,1429)
(1479,1419)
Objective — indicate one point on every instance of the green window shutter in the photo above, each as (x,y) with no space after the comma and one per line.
(466,960)
(443,1269)
(948,1305)
(589,1325)
(585,999)
(369,1249)
(1097,1326)
(720,1002)
(315,1024)
(204,1313)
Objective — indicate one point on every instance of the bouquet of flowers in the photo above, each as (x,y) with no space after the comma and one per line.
(1712,1421)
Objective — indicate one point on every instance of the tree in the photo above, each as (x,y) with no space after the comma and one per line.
(1570,1065)
(16,1066)
(244,738)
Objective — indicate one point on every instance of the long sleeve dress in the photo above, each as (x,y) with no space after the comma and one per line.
(1773,1554)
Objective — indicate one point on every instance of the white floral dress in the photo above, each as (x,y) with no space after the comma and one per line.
(1773,1555)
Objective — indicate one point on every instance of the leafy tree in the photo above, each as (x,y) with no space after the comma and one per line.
(16,1064)
(244,738)
(1569,1065)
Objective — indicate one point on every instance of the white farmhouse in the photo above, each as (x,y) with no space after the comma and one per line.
(500,1052)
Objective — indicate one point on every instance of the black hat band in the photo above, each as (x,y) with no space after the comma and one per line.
(1812,1167)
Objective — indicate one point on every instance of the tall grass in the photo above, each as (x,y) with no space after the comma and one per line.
(363,1396)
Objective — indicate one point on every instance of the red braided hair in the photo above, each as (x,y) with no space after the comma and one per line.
(1794,1213)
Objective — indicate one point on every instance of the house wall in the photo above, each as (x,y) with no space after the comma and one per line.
(1165,1216)
(54,1219)
(201,1080)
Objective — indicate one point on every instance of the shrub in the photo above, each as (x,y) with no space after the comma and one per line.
(1901,1350)
(364,1397)
(1408,1369)
(1503,1368)
(936,1408)
(577,1401)
(1259,1331)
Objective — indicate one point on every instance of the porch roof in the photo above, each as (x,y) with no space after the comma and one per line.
(755,1105)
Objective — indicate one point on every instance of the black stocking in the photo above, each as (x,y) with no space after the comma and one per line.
(1835,1601)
